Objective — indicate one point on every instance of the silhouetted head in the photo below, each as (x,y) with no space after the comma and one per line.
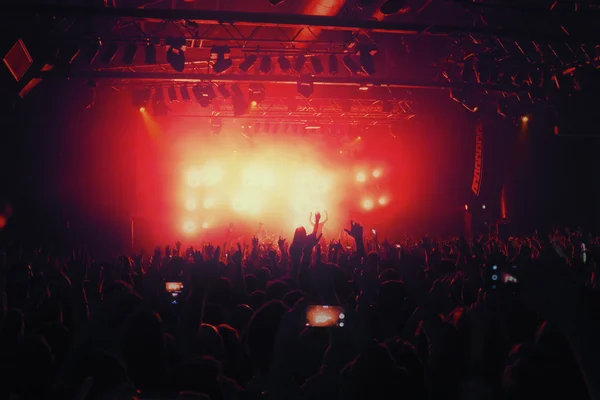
(260,336)
(209,342)
(240,316)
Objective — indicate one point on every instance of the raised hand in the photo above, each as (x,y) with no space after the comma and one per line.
(254,242)
(317,217)
(281,243)
(237,256)
(312,240)
(356,230)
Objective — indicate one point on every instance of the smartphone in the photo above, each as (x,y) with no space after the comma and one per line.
(398,246)
(174,289)
(502,276)
(324,316)
(374,232)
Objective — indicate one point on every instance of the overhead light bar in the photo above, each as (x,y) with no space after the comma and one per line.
(257,93)
(172,94)
(240,105)
(367,61)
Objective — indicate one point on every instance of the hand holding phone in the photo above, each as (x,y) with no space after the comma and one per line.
(324,316)
(174,289)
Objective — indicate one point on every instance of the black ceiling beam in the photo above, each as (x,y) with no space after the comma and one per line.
(207,17)
(280,79)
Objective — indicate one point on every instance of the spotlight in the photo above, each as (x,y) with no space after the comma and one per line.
(483,207)
(172,94)
(142,109)
(175,53)
(317,64)
(222,57)
(368,204)
(216,125)
(299,63)
(204,94)
(284,63)
(361,177)
(224,91)
(376,173)
(394,6)
(109,52)
(185,94)
(150,55)
(305,88)
(240,106)
(265,65)
(189,227)
(248,63)
(525,119)
(176,59)
(351,65)
(257,93)
(466,207)
(129,55)
(333,65)
(367,61)
(382,201)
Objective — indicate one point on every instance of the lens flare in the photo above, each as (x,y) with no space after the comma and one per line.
(189,227)
(382,201)
(376,173)
(361,177)
(368,204)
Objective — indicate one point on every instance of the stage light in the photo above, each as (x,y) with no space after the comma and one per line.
(361,177)
(483,207)
(299,63)
(129,55)
(466,207)
(352,66)
(305,88)
(284,63)
(204,94)
(185,94)
(240,106)
(150,55)
(194,178)
(394,6)
(363,87)
(382,201)
(376,173)
(205,225)
(257,93)
(317,64)
(525,119)
(172,94)
(265,65)
(189,227)
(190,204)
(176,59)
(248,62)
(224,91)
(142,109)
(222,57)
(333,64)
(109,51)
(209,203)
(367,204)
(367,61)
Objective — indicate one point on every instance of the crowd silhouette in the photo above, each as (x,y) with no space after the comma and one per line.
(425,318)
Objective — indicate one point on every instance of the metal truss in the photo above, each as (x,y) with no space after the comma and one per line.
(207,17)
(298,110)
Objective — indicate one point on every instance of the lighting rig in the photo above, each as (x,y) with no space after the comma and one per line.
(241,55)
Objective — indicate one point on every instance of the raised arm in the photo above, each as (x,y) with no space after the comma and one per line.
(310,219)
(326,218)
